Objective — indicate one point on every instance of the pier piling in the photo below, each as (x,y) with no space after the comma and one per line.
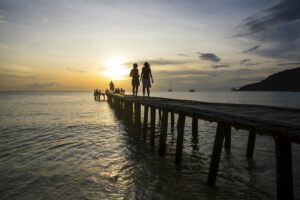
(180,132)
(137,119)
(172,120)
(163,133)
(222,128)
(251,144)
(284,172)
(146,108)
(152,134)
(195,127)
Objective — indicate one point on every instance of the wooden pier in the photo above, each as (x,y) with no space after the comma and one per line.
(283,124)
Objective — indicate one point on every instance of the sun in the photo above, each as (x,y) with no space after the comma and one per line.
(115,69)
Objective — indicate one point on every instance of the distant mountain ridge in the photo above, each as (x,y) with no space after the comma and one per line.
(288,80)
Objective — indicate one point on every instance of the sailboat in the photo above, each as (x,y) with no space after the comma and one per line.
(170,89)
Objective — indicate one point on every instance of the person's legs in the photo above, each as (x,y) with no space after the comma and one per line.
(133,90)
(148,91)
(143,91)
(136,90)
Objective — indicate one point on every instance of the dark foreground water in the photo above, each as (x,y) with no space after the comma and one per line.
(67,146)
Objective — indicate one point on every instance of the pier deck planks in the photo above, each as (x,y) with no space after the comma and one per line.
(264,120)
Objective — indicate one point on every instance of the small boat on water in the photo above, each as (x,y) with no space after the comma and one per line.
(192,90)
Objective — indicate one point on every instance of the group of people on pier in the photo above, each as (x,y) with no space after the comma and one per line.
(115,90)
(146,78)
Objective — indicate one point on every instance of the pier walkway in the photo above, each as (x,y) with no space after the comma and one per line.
(283,124)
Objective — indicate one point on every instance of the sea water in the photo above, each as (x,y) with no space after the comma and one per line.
(68,146)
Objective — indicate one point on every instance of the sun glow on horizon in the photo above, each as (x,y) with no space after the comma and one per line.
(115,69)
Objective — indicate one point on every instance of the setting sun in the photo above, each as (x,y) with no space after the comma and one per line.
(115,69)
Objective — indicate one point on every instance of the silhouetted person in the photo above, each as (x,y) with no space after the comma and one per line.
(111,86)
(134,73)
(145,77)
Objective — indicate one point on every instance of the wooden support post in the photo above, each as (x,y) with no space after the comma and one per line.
(146,108)
(195,127)
(126,111)
(152,136)
(227,132)
(159,114)
(130,113)
(163,133)
(137,114)
(251,144)
(172,120)
(216,154)
(180,132)
(284,172)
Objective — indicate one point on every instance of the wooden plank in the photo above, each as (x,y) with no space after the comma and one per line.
(180,132)
(152,134)
(284,171)
(216,154)
(251,144)
(163,133)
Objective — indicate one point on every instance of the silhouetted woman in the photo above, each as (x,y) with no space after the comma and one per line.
(134,73)
(145,76)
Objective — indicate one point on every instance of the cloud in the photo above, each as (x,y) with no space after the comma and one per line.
(217,66)
(249,79)
(251,49)
(209,56)
(277,29)
(183,55)
(2,20)
(161,62)
(5,75)
(75,70)
(289,63)
(286,11)
(247,62)
(44,85)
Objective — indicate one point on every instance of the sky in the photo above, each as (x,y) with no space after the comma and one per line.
(208,45)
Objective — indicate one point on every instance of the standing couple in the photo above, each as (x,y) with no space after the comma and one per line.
(145,78)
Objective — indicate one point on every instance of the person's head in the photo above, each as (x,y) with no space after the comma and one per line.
(146,64)
(135,65)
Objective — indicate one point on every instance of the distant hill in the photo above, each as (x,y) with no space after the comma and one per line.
(288,80)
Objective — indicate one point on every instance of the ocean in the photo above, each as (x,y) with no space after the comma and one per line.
(65,145)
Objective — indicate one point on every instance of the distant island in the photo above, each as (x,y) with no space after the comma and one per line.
(288,80)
